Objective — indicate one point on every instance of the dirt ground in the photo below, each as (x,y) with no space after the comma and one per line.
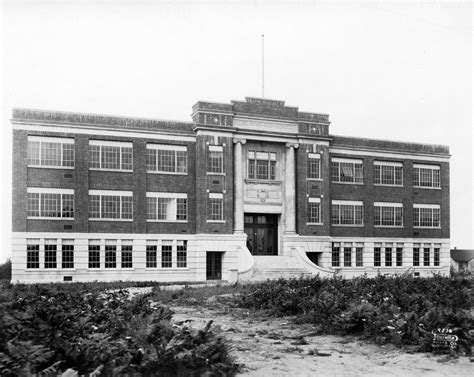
(279,347)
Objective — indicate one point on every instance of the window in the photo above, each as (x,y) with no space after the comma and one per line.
(388,255)
(50,248)
(359,254)
(110,155)
(336,250)
(388,214)
(436,255)
(50,203)
(32,253)
(347,212)
(166,252)
(165,158)
(416,254)
(94,253)
(314,211)
(167,206)
(110,205)
(426,256)
(388,173)
(110,253)
(346,170)
(67,253)
(426,176)
(182,251)
(377,255)
(426,215)
(314,166)
(151,253)
(347,254)
(216,207)
(215,161)
(399,254)
(262,165)
(50,152)
(127,254)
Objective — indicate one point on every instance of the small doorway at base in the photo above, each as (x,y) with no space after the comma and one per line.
(262,233)
(214,265)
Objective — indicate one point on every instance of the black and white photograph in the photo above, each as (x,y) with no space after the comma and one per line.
(236,188)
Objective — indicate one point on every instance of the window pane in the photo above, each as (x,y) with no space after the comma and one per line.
(314,168)
(67,254)
(33,205)
(94,156)
(216,209)
(127,158)
(215,162)
(262,169)
(165,210)
(68,205)
(50,205)
(68,154)
(110,157)
(33,153)
(166,160)
(335,262)
(50,154)
(151,155)
(110,207)
(127,207)
(50,249)
(181,161)
(181,209)
(152,208)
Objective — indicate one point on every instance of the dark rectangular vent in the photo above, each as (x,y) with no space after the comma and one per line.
(67,278)
(67,227)
(216,231)
(416,274)
(314,187)
(67,175)
(183,230)
(416,233)
(215,182)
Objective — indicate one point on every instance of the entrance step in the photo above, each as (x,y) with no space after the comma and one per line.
(276,267)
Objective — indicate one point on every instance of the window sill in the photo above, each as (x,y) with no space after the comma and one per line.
(259,181)
(165,172)
(348,183)
(214,173)
(112,170)
(314,223)
(52,167)
(314,179)
(349,225)
(427,187)
(427,227)
(167,269)
(387,185)
(49,218)
(114,220)
(216,221)
(167,221)
(389,226)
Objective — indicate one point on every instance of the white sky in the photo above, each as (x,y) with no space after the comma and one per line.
(398,70)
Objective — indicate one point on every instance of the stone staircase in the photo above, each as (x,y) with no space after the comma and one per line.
(276,267)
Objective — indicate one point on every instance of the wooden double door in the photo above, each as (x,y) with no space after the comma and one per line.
(262,233)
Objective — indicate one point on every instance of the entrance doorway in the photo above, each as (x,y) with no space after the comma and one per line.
(262,233)
(214,265)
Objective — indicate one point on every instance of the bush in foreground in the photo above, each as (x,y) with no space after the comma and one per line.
(6,270)
(55,328)
(402,310)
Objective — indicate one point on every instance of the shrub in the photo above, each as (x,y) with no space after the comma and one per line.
(401,310)
(57,328)
(6,270)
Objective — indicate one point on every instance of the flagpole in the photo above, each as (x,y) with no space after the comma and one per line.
(263,66)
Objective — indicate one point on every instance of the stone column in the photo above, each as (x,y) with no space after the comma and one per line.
(238,186)
(290,194)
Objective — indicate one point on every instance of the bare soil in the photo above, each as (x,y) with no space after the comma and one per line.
(280,347)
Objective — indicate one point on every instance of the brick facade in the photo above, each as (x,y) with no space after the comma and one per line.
(265,126)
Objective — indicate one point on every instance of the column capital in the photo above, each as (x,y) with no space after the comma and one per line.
(240,140)
(292,145)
